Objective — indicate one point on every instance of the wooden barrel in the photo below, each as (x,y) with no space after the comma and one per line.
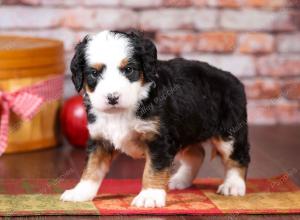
(25,61)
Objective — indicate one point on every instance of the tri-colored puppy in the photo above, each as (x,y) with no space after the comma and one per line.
(145,107)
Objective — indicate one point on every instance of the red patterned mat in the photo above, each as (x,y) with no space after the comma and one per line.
(41,197)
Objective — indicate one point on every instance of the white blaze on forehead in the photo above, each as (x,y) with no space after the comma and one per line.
(111,50)
(107,48)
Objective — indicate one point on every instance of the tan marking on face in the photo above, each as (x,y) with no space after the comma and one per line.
(98,163)
(87,88)
(123,63)
(153,178)
(98,66)
(142,79)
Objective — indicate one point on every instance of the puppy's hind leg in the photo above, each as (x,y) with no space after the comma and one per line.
(191,159)
(235,157)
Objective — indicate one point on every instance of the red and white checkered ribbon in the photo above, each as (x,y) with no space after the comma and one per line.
(26,102)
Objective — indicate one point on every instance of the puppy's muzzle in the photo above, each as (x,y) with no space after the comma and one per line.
(113,98)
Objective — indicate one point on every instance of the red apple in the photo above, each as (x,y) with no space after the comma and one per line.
(74,121)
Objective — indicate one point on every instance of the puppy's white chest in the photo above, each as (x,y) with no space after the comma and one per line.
(123,131)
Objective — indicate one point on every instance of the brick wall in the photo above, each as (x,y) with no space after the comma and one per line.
(257,40)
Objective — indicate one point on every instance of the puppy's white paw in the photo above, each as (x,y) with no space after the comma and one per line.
(150,198)
(233,187)
(177,182)
(74,195)
(83,191)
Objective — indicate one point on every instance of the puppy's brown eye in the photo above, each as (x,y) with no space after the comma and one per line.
(94,73)
(128,70)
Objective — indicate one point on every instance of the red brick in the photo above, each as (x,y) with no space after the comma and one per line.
(293,3)
(288,43)
(9,2)
(80,2)
(272,112)
(61,3)
(261,113)
(141,4)
(205,19)
(78,18)
(176,42)
(27,17)
(225,3)
(288,113)
(199,3)
(31,2)
(267,3)
(239,65)
(257,20)
(177,3)
(216,42)
(295,18)
(178,18)
(279,65)
(262,89)
(291,89)
(101,2)
(166,19)
(25,2)
(256,43)
(115,19)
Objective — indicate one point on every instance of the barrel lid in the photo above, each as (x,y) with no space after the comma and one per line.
(32,72)
(30,62)
(16,47)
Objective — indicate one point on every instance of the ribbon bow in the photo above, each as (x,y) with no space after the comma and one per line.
(26,103)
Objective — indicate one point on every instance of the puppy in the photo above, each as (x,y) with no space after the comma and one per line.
(145,107)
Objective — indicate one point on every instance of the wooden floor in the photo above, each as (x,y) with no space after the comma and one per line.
(274,150)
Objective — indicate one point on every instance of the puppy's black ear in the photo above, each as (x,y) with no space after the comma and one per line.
(149,60)
(145,51)
(78,63)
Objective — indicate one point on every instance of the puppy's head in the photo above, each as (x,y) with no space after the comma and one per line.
(115,69)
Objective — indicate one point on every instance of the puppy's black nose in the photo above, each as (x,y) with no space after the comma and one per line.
(113,98)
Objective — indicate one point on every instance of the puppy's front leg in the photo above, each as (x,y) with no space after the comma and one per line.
(155,183)
(96,168)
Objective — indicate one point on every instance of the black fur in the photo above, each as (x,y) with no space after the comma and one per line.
(78,64)
(92,76)
(88,106)
(93,144)
(145,54)
(202,102)
(134,74)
